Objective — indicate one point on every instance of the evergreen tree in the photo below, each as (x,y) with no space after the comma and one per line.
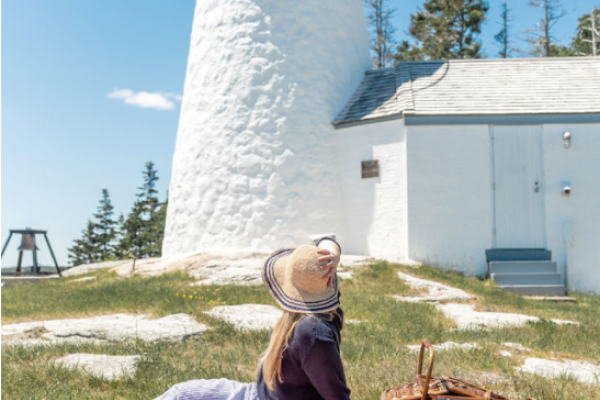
(132,241)
(382,32)
(557,50)
(158,227)
(582,42)
(445,29)
(87,249)
(502,36)
(119,249)
(140,237)
(105,226)
(541,37)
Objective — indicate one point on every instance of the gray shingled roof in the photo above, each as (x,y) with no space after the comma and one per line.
(478,87)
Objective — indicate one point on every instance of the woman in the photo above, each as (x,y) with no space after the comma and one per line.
(303,358)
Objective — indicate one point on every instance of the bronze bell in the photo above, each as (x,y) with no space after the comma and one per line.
(27,242)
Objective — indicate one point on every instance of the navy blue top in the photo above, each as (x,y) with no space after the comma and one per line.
(311,367)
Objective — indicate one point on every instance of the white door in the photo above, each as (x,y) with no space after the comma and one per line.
(518,186)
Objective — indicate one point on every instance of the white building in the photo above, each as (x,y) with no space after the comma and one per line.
(476,155)
(282,123)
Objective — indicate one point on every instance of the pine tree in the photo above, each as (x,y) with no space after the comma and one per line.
(105,226)
(87,249)
(557,50)
(445,29)
(582,42)
(119,249)
(132,241)
(139,237)
(158,227)
(382,41)
(502,36)
(541,37)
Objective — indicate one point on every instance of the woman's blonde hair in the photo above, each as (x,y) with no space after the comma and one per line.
(282,333)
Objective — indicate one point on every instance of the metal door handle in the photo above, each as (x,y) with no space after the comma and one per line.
(537,187)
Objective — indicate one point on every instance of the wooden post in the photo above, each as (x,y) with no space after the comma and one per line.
(52,254)
(6,244)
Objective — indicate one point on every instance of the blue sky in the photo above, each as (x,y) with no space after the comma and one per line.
(91,92)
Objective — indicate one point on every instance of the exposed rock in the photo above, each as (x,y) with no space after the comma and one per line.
(115,327)
(445,346)
(354,321)
(518,347)
(436,291)
(505,353)
(486,379)
(100,365)
(232,268)
(580,370)
(350,261)
(345,274)
(467,318)
(231,272)
(49,339)
(87,268)
(248,316)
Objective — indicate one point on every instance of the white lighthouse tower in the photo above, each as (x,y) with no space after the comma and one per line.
(255,164)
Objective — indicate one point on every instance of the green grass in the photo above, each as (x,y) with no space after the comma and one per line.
(374,352)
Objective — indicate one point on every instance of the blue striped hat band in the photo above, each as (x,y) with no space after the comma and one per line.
(277,277)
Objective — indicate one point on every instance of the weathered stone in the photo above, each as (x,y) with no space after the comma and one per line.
(115,327)
(248,316)
(345,274)
(518,347)
(226,268)
(445,346)
(87,268)
(580,370)
(244,272)
(436,291)
(101,365)
(350,261)
(354,321)
(466,317)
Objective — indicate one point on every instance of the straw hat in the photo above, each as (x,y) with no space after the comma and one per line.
(295,279)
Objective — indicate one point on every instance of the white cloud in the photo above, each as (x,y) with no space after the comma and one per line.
(156,100)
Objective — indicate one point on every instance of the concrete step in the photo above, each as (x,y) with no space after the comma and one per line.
(518,255)
(543,290)
(551,278)
(516,267)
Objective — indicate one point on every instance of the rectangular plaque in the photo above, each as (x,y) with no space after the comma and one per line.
(370,169)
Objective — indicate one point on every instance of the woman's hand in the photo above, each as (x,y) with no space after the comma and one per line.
(330,258)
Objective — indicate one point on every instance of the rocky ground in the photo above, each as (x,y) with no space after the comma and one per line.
(468,311)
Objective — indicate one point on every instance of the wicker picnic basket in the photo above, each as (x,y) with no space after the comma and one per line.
(444,388)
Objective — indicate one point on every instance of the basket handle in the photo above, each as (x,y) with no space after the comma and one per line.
(425,387)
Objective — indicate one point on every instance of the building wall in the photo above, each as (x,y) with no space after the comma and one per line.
(573,222)
(375,208)
(450,204)
(254,166)
(449,196)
